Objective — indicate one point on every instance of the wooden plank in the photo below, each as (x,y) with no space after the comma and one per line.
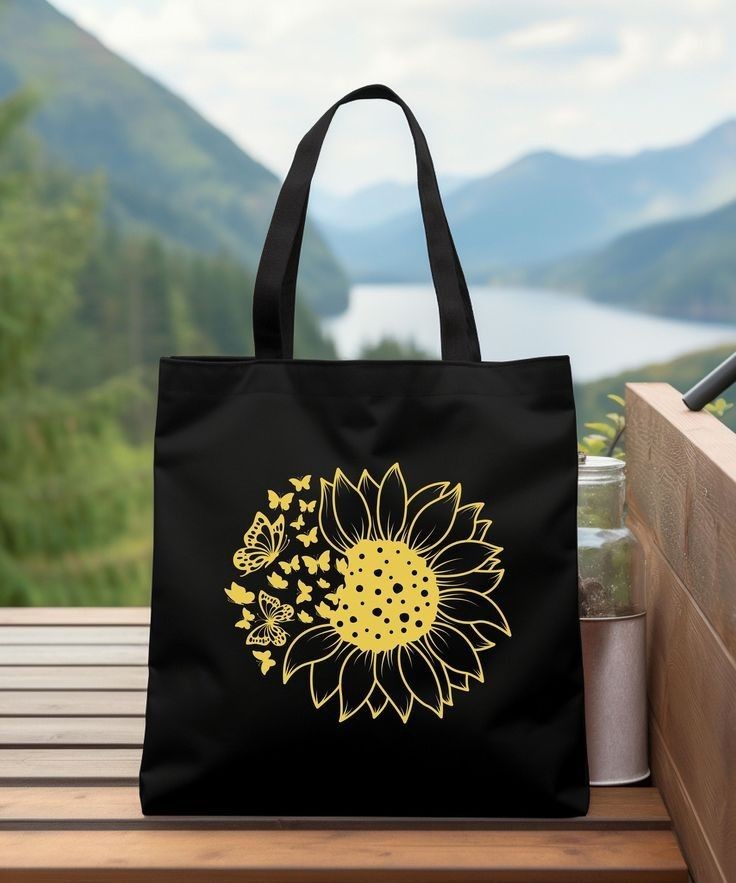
(77,634)
(73,677)
(75,615)
(76,703)
(71,654)
(69,764)
(21,731)
(620,808)
(681,470)
(701,860)
(350,856)
(692,695)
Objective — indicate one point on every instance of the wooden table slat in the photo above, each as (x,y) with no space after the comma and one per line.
(51,616)
(74,654)
(71,731)
(73,634)
(331,856)
(73,677)
(75,703)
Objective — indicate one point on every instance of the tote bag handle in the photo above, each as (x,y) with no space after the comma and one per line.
(275,286)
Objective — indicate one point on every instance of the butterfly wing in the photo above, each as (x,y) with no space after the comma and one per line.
(260,635)
(276,581)
(324,560)
(277,635)
(322,583)
(285,613)
(257,544)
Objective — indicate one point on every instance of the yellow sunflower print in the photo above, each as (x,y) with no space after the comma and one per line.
(408,609)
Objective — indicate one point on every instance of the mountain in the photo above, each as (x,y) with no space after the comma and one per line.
(167,169)
(684,268)
(371,205)
(547,205)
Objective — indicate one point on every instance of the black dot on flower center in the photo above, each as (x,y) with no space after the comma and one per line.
(377,571)
(416,609)
(359,588)
(362,555)
(339,623)
(413,573)
(418,623)
(355,634)
(403,631)
(398,588)
(379,549)
(404,617)
(425,579)
(353,619)
(377,611)
(378,636)
(387,620)
(424,593)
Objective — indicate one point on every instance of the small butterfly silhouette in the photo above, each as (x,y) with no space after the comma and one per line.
(246,621)
(304,616)
(264,657)
(305,506)
(324,610)
(307,538)
(341,566)
(315,564)
(305,593)
(301,484)
(322,583)
(274,500)
(269,630)
(289,566)
(276,581)
(263,542)
(298,524)
(238,595)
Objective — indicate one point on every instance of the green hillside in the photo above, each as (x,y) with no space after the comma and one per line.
(683,268)
(682,373)
(168,171)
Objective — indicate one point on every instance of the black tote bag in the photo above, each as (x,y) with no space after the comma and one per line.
(365,577)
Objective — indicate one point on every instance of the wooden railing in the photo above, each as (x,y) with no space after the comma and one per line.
(682,504)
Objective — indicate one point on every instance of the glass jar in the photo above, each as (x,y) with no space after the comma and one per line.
(610,559)
(612,626)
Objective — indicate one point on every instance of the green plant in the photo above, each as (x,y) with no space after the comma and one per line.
(606,438)
(719,407)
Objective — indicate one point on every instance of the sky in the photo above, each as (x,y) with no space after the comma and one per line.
(489,80)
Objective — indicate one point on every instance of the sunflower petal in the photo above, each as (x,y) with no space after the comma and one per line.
(391,504)
(464,526)
(310,646)
(484,581)
(368,487)
(377,701)
(324,676)
(388,678)
(480,636)
(351,509)
(458,559)
(419,499)
(434,521)
(463,605)
(452,648)
(357,678)
(458,681)
(328,525)
(421,678)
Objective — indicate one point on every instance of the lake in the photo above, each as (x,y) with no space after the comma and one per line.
(516,323)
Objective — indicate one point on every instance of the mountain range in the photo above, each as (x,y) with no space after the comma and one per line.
(547,205)
(167,169)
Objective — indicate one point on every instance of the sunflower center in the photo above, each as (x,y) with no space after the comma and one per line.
(390,596)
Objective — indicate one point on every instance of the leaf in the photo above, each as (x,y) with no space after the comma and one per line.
(603,428)
(239,595)
(616,398)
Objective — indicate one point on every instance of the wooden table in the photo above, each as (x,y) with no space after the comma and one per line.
(72,692)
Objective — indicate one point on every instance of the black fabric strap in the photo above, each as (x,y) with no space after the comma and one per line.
(275,287)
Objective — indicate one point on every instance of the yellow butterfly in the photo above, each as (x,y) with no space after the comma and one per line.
(238,595)
(268,630)
(341,566)
(305,506)
(324,610)
(304,616)
(276,581)
(322,583)
(264,657)
(263,542)
(246,621)
(289,566)
(301,484)
(298,524)
(274,500)
(331,596)
(315,564)
(305,593)
(307,538)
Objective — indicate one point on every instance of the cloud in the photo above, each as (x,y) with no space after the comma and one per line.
(488,81)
